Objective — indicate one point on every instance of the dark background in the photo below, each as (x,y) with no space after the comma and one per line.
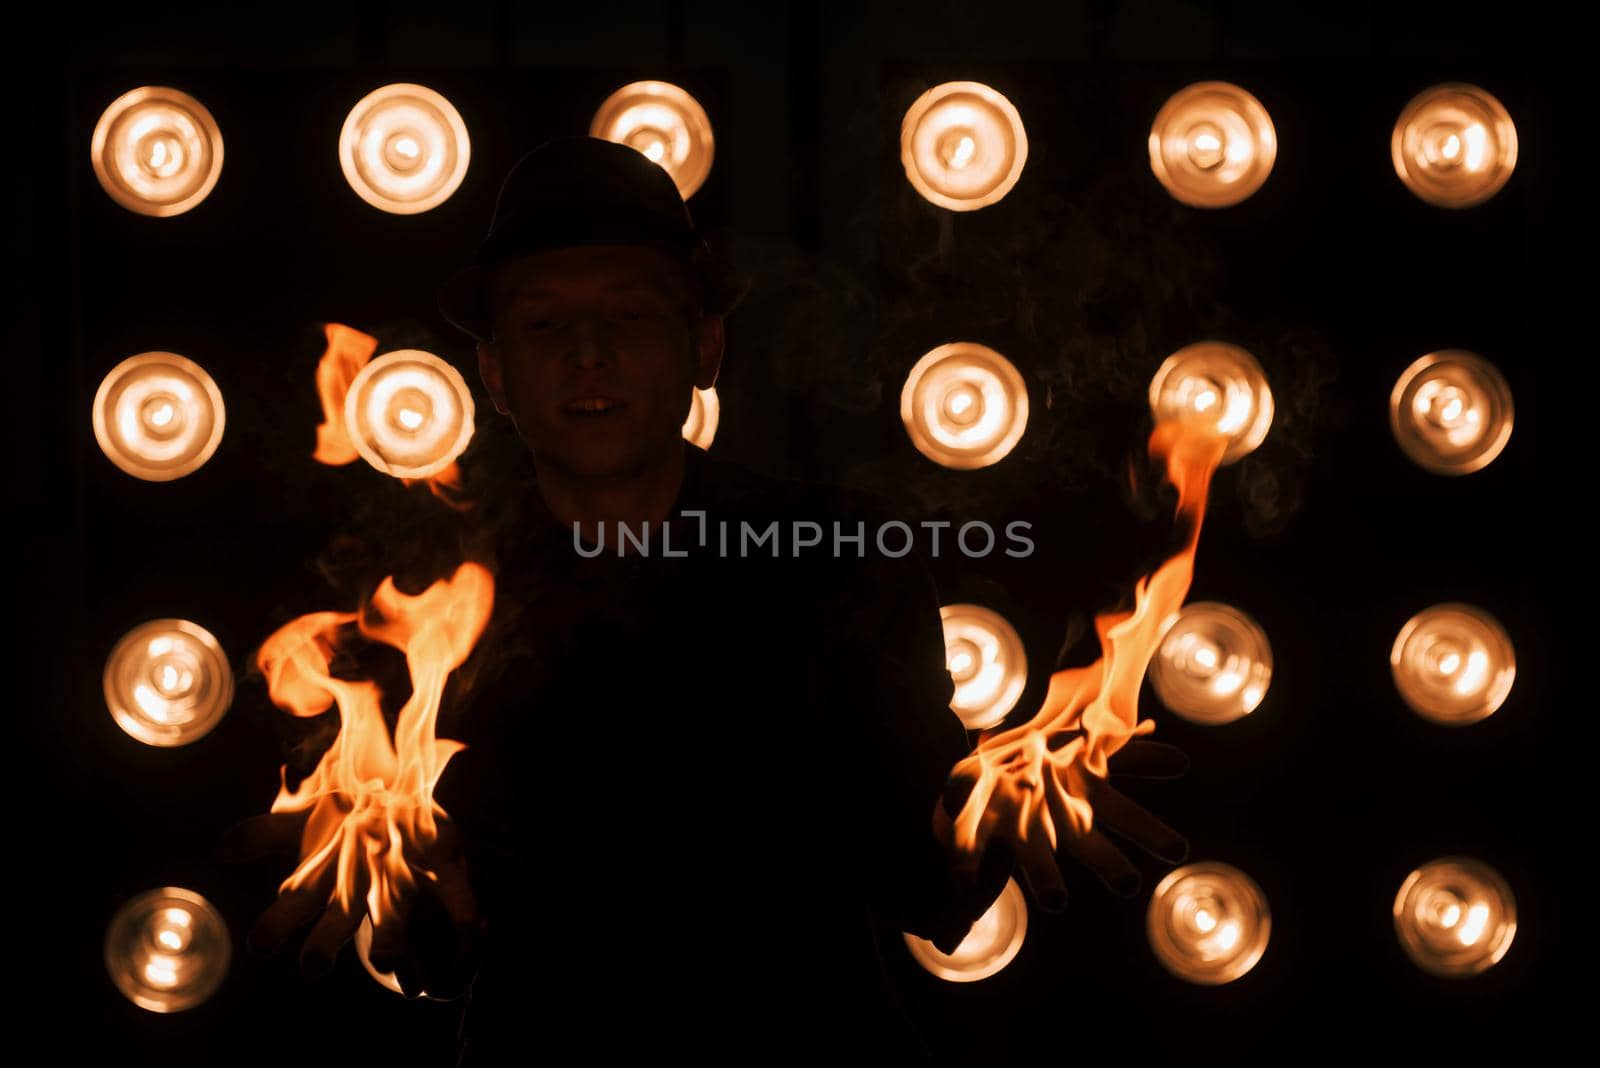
(1087,275)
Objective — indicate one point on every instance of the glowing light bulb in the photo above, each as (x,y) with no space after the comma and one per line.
(1451,412)
(404,149)
(1454,145)
(156,151)
(409,413)
(1213,665)
(1219,384)
(704,412)
(986,661)
(167,682)
(1208,923)
(666,124)
(167,949)
(1212,145)
(964,405)
(963,145)
(992,943)
(1455,917)
(1453,664)
(158,416)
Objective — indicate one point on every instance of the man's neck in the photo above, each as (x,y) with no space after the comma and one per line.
(640,499)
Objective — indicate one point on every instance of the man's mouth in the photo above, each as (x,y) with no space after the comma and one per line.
(592,406)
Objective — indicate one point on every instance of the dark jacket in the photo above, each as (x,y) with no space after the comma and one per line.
(698,791)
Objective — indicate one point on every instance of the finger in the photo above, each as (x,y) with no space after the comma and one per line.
(1144,759)
(289,913)
(1117,812)
(266,835)
(1040,867)
(1101,856)
(390,950)
(1093,849)
(332,931)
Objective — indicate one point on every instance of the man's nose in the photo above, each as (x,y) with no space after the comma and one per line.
(591,342)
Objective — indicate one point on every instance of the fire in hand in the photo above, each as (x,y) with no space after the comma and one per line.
(371,817)
(1032,784)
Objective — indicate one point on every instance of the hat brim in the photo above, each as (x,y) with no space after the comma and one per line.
(463,298)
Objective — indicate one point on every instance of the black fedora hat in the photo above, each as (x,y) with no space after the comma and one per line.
(585,191)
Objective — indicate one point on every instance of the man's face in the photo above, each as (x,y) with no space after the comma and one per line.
(596,355)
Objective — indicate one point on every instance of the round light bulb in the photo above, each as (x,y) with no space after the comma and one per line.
(986,662)
(704,411)
(992,943)
(1212,145)
(158,416)
(167,682)
(168,949)
(1454,145)
(409,413)
(1451,412)
(1208,923)
(666,124)
(963,145)
(1453,664)
(1220,385)
(964,405)
(156,151)
(1213,664)
(404,149)
(1455,917)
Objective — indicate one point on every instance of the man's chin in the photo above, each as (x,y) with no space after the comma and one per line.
(600,464)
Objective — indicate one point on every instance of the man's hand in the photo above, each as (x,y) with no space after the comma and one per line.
(1004,831)
(430,943)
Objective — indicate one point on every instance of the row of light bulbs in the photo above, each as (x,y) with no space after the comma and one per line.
(159,416)
(1209,923)
(404,148)
(1212,145)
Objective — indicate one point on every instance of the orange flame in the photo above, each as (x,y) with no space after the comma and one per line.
(370,798)
(348,351)
(1091,712)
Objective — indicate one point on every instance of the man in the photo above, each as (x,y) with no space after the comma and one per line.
(700,779)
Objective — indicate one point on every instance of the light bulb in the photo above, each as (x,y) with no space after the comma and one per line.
(1454,145)
(167,682)
(704,411)
(1451,412)
(404,149)
(409,413)
(1213,665)
(156,151)
(1455,917)
(168,949)
(1212,145)
(1208,923)
(986,662)
(1453,664)
(666,124)
(992,943)
(1220,385)
(158,416)
(964,405)
(963,145)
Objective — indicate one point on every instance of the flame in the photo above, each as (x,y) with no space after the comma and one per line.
(348,351)
(1089,713)
(370,798)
